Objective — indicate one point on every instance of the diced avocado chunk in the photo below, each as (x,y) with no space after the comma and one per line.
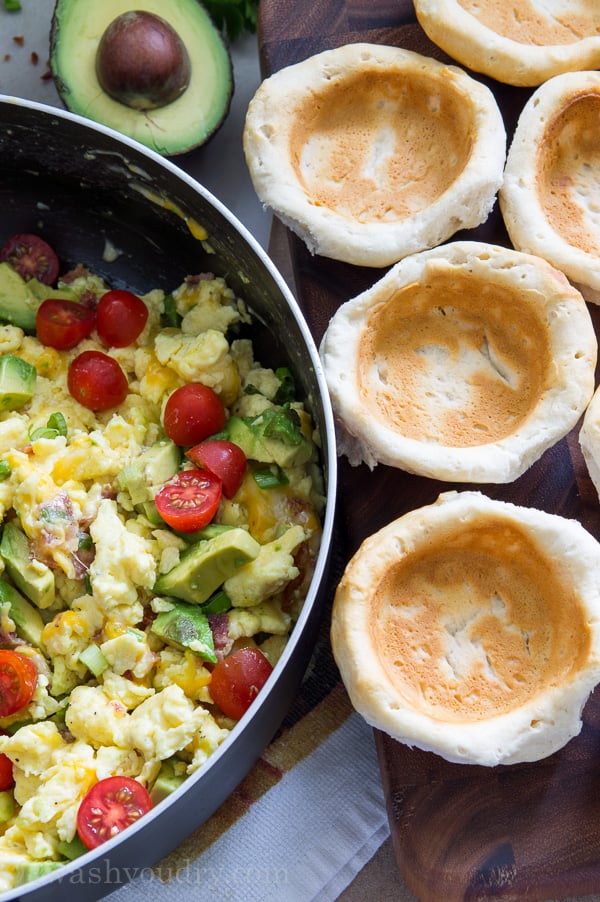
(273,436)
(20,300)
(161,461)
(208,532)
(7,806)
(34,578)
(207,564)
(170,777)
(33,870)
(93,659)
(27,618)
(72,849)
(17,382)
(186,626)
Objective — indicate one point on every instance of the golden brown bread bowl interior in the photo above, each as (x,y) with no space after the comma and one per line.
(471,628)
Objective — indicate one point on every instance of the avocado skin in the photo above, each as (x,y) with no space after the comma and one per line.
(189,121)
(206,565)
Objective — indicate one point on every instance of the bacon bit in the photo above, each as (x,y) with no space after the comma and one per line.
(88,298)
(6,57)
(19,39)
(47,75)
(201,277)
(79,271)
(34,57)
(219,624)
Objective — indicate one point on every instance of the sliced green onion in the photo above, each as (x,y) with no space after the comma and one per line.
(170,315)
(270,477)
(5,470)
(57,421)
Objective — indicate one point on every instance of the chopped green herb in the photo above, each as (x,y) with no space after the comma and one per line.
(4,470)
(282,423)
(85,541)
(13,6)
(270,477)
(233,16)
(287,390)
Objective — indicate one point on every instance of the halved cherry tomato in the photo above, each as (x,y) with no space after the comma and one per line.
(110,806)
(32,257)
(18,679)
(97,381)
(120,318)
(225,459)
(62,324)
(237,679)
(192,413)
(189,500)
(7,779)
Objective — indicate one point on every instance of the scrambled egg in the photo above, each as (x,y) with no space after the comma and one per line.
(149,700)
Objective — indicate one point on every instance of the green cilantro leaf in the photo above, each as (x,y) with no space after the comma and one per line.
(233,16)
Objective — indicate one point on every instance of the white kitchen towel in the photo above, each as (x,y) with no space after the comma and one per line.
(303,840)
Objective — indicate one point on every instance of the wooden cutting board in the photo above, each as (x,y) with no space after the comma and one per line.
(521,832)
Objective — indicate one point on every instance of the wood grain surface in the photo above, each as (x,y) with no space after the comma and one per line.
(520,832)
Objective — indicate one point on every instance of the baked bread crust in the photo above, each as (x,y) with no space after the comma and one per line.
(514,41)
(589,439)
(471,628)
(463,363)
(370,152)
(549,199)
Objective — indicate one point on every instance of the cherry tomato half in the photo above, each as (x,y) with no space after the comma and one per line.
(32,257)
(120,318)
(18,679)
(111,805)
(7,779)
(189,500)
(192,413)
(97,381)
(62,324)
(225,459)
(237,679)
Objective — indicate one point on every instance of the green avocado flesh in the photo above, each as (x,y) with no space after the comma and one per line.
(175,128)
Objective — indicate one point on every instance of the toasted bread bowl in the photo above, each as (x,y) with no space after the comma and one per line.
(370,152)
(519,42)
(471,628)
(549,199)
(463,363)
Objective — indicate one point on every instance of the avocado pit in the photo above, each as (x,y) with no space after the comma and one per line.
(142,62)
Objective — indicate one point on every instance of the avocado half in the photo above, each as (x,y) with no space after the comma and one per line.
(177,127)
